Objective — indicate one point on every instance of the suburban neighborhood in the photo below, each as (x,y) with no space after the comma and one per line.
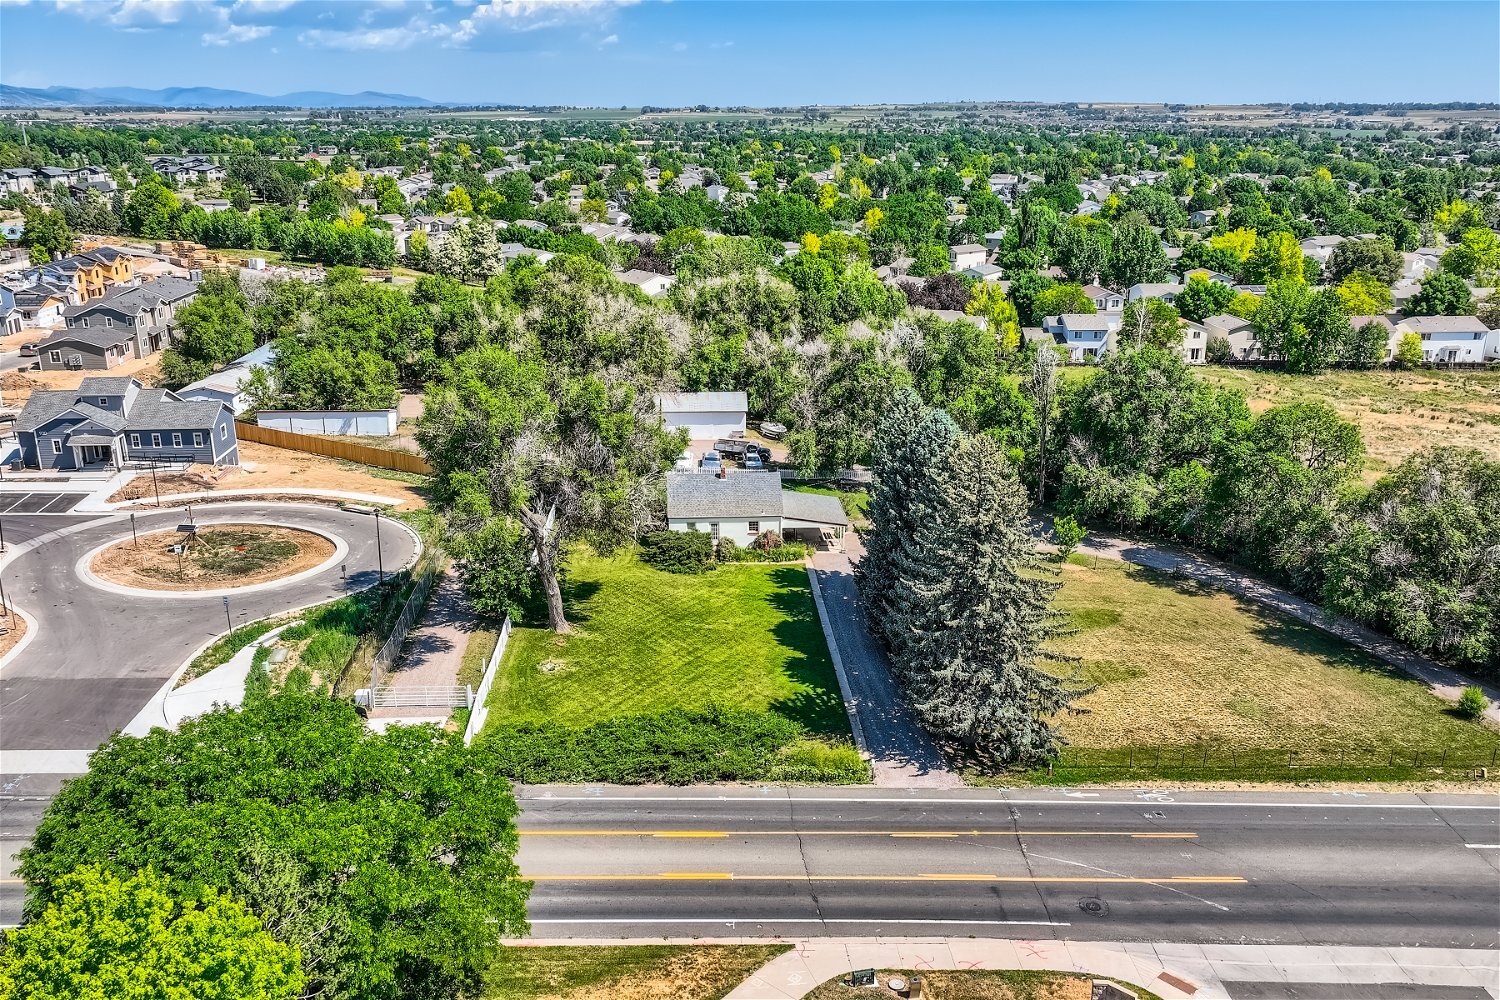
(931,548)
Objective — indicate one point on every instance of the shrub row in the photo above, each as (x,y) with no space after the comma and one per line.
(674,747)
(678,551)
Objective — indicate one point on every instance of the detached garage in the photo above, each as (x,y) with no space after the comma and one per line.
(703,414)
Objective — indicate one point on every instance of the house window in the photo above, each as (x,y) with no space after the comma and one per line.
(754,527)
(103,400)
(109,321)
(176,440)
(692,525)
(156,440)
(135,440)
(85,323)
(713,530)
(1194,354)
(197,439)
(57,446)
(55,357)
(223,431)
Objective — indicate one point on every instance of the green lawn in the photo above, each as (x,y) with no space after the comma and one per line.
(1178,665)
(743,636)
(625,972)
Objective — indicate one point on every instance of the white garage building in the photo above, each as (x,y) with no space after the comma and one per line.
(704,414)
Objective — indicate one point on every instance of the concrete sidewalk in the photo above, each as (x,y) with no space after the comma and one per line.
(432,654)
(1172,971)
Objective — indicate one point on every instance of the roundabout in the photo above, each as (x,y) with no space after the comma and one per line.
(96,651)
(218,558)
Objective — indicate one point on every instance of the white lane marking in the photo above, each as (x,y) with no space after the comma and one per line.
(798,920)
(1483,847)
(996,802)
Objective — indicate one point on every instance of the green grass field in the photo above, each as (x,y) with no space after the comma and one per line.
(1178,665)
(625,972)
(743,636)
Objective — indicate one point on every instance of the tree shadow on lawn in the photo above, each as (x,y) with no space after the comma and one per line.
(576,595)
(820,708)
(1277,628)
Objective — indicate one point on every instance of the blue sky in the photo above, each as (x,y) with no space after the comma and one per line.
(621,52)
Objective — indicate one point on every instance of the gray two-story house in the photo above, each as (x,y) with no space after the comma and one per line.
(126,323)
(108,422)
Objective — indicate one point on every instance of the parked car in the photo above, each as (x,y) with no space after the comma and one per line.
(712,462)
(28,350)
(684,461)
(765,453)
(772,430)
(752,460)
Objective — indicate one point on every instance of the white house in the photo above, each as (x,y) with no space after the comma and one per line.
(227,386)
(964,256)
(653,284)
(703,414)
(1167,291)
(1084,335)
(1239,332)
(982,272)
(1460,339)
(741,506)
(1104,299)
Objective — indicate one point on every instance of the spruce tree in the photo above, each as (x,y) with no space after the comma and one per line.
(971,609)
(909,441)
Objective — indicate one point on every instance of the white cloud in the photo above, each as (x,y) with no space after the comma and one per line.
(388,39)
(263,6)
(531,15)
(236,34)
(609,40)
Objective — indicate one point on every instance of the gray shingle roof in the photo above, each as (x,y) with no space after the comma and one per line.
(816,507)
(740,494)
(105,385)
(156,409)
(43,406)
(132,301)
(97,336)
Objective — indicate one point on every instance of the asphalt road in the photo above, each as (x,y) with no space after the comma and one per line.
(98,656)
(1117,865)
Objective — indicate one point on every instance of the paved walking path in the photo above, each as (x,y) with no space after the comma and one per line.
(1172,971)
(1445,683)
(901,754)
(433,653)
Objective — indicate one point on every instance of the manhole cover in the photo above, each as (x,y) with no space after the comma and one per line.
(1094,906)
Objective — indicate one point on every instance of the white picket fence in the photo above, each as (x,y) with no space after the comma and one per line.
(480,702)
(481,709)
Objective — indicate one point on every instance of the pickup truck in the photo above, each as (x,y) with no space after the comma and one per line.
(732,448)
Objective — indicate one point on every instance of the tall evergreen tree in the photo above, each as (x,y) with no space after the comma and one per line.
(909,440)
(973,609)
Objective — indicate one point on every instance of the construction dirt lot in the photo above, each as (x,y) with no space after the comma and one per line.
(17,386)
(267,470)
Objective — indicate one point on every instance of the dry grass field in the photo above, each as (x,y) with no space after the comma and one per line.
(1398,413)
(1177,664)
(642,972)
(976,984)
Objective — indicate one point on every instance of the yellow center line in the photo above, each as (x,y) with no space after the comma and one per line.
(720,834)
(926,877)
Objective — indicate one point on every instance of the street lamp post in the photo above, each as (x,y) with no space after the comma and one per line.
(379,554)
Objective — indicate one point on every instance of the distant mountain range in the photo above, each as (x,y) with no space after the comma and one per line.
(195,97)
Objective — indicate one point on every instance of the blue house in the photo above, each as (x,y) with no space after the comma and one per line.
(108,422)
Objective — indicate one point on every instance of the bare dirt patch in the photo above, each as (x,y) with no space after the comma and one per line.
(974,985)
(12,631)
(221,555)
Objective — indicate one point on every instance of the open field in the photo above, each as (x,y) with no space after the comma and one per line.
(1178,665)
(977,984)
(625,972)
(743,636)
(1398,413)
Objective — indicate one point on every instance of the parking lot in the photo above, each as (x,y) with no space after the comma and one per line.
(39,503)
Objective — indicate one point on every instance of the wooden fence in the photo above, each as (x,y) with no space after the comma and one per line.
(350,451)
